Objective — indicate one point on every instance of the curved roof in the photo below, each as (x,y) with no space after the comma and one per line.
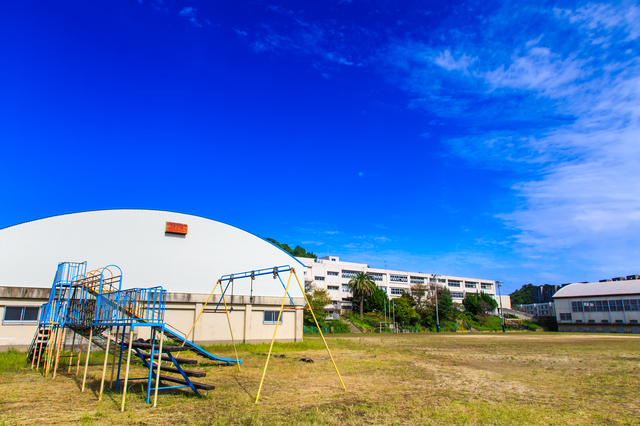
(609,288)
(136,241)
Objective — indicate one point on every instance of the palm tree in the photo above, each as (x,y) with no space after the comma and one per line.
(362,285)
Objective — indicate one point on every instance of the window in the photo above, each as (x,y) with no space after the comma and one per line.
(454,283)
(397,291)
(332,273)
(398,278)
(633,321)
(333,287)
(627,304)
(458,295)
(605,321)
(417,280)
(271,317)
(442,280)
(615,305)
(589,306)
(599,307)
(485,286)
(578,321)
(375,276)
(565,317)
(591,321)
(576,306)
(470,285)
(319,278)
(634,304)
(349,274)
(21,314)
(345,288)
(619,321)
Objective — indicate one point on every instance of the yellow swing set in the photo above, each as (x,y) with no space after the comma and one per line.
(276,274)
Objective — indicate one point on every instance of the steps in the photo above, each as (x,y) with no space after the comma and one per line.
(140,344)
(40,339)
(352,327)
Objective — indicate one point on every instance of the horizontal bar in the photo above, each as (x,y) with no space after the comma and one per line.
(257,272)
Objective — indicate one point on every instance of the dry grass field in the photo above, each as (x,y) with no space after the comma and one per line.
(412,379)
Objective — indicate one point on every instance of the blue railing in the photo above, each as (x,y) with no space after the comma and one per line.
(131,306)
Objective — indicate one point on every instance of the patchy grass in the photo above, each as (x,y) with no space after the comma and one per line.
(440,379)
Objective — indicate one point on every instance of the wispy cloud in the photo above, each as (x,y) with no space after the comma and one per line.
(189,13)
(325,42)
(576,129)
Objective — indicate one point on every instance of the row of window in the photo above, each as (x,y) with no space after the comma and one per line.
(349,274)
(29,314)
(567,317)
(606,305)
(333,287)
(376,276)
(21,314)
(459,295)
(397,291)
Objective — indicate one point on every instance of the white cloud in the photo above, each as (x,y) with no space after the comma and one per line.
(447,61)
(189,13)
(582,203)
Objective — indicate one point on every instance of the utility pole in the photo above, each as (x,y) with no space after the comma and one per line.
(434,277)
(499,284)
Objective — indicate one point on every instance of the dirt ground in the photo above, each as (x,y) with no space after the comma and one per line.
(413,379)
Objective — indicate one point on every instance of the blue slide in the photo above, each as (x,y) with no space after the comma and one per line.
(197,349)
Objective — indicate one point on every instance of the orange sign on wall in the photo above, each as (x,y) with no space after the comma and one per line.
(176,228)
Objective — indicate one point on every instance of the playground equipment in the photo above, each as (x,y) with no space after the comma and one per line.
(275,271)
(91,304)
(461,327)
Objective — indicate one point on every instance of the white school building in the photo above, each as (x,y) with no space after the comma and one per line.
(331,273)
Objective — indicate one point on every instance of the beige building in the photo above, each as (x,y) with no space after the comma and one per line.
(187,265)
(603,307)
(333,274)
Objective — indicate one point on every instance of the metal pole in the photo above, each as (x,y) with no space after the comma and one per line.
(126,374)
(106,363)
(86,363)
(499,284)
(73,346)
(435,280)
(155,394)
(394,317)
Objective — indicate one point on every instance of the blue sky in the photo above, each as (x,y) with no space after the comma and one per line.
(483,139)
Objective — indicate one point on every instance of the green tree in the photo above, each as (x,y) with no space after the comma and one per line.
(420,295)
(318,299)
(298,251)
(479,303)
(523,296)
(376,302)
(361,286)
(445,304)
(405,314)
